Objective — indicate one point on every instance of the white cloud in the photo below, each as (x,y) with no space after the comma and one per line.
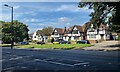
(72,8)
(30,20)
(5,17)
(16,7)
(64,19)
(32,30)
(28,12)
(67,24)
(66,8)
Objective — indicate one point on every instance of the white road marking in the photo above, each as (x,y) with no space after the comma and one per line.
(84,63)
(45,60)
(55,62)
(16,58)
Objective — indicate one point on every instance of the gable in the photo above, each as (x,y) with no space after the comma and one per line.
(74,28)
(58,31)
(55,30)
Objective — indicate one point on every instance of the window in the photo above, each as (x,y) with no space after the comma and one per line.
(55,33)
(75,31)
(34,36)
(76,38)
(92,36)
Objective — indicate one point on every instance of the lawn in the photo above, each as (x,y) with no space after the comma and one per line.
(54,46)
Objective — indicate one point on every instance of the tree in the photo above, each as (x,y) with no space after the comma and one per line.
(0,30)
(102,12)
(20,31)
(46,31)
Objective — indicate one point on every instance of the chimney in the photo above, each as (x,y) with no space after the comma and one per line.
(65,29)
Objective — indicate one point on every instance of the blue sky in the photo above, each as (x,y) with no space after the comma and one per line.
(37,15)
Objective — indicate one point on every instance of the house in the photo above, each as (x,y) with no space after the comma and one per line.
(58,33)
(35,37)
(73,33)
(114,36)
(30,36)
(98,34)
(39,37)
(85,27)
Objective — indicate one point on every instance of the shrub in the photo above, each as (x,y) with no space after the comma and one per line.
(119,37)
(34,41)
(49,40)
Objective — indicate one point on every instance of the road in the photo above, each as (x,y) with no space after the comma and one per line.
(59,60)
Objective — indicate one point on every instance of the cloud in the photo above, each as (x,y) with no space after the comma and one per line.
(72,8)
(33,13)
(32,30)
(16,7)
(67,24)
(30,20)
(66,8)
(5,17)
(64,19)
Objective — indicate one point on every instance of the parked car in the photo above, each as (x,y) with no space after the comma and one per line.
(83,42)
(40,42)
(23,43)
(61,41)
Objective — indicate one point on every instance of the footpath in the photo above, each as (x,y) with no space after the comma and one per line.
(105,46)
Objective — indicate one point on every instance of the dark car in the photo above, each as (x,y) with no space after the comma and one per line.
(83,42)
(61,41)
(40,42)
(23,43)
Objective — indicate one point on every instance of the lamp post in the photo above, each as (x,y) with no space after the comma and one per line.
(12,40)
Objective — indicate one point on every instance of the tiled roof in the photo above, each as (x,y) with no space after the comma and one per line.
(79,28)
(86,26)
(69,30)
(103,26)
(31,34)
(60,30)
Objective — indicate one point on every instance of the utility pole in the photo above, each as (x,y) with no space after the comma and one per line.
(12,39)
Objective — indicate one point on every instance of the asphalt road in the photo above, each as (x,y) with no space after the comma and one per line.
(59,60)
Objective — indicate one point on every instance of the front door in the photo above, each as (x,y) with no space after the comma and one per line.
(102,37)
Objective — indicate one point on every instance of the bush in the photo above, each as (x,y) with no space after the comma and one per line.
(34,41)
(118,37)
(49,40)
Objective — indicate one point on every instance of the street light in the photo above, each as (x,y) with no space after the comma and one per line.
(12,42)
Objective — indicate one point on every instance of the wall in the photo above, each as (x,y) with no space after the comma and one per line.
(33,37)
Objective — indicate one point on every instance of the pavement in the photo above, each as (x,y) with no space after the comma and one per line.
(105,46)
(14,60)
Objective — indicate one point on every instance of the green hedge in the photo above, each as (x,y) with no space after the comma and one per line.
(119,37)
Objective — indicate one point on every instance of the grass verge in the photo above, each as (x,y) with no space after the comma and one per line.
(54,46)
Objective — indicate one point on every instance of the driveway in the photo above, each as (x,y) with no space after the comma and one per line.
(105,46)
(59,60)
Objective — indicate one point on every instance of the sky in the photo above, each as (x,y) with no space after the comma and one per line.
(37,15)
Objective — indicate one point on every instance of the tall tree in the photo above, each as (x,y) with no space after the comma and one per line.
(46,31)
(20,31)
(102,11)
